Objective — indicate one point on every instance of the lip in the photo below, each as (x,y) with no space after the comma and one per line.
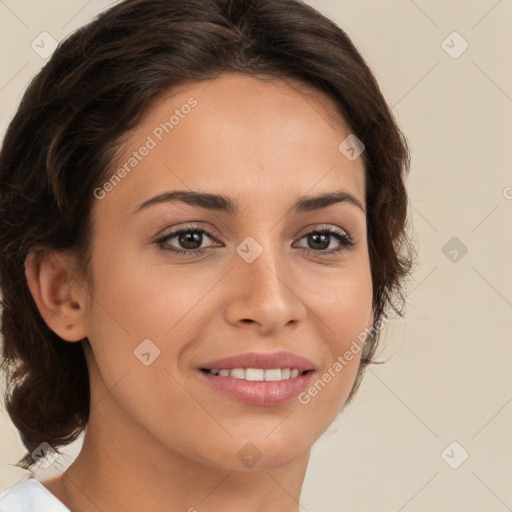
(260,393)
(264,360)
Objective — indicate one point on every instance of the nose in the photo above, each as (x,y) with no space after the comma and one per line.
(265,292)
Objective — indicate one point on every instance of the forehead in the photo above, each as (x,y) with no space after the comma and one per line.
(259,138)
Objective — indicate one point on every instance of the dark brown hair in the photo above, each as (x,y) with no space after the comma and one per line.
(62,143)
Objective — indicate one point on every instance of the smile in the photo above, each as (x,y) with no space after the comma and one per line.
(257,374)
(251,387)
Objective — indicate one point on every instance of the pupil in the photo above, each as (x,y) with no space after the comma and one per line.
(188,238)
(324,244)
(320,240)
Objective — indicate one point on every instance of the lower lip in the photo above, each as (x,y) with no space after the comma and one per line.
(260,392)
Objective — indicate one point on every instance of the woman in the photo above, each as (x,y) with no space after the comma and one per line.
(202,229)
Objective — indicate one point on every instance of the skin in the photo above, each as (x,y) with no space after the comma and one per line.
(159,438)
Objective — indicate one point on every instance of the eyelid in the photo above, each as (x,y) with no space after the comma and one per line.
(321,227)
(211,232)
(345,240)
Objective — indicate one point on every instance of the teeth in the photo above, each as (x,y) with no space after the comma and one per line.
(273,374)
(253,374)
(237,373)
(258,374)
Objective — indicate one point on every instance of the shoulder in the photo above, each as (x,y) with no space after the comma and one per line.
(30,496)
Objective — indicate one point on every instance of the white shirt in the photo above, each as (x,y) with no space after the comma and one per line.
(30,496)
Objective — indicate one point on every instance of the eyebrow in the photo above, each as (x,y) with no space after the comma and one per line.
(222,203)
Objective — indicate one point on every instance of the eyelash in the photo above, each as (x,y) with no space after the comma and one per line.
(346,242)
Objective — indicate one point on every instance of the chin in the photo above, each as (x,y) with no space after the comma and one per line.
(260,453)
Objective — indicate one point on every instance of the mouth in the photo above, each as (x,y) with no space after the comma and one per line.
(257,374)
(259,378)
(258,386)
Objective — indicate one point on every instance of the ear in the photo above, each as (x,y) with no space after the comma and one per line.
(60,300)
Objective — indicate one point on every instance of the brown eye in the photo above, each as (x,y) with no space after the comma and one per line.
(189,240)
(320,240)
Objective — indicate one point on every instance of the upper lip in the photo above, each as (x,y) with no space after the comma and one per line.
(264,360)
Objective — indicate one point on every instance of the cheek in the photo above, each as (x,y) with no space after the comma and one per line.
(141,297)
(341,309)
(342,301)
(121,316)
(138,298)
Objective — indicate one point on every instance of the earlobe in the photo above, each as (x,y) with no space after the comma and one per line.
(50,283)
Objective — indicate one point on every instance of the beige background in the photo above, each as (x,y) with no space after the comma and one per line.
(448,377)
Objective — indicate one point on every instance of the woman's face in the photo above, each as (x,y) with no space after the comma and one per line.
(264,282)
